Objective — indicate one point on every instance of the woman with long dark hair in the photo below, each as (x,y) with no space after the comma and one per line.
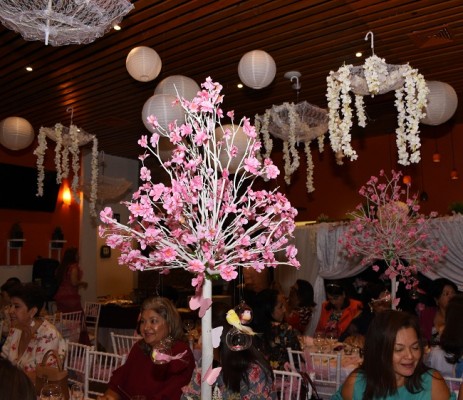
(393,365)
(274,334)
(245,374)
(69,277)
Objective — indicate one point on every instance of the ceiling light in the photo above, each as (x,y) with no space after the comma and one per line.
(29,69)
(117,27)
(240,86)
(358,54)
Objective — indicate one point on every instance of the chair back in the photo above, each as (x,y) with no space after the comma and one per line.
(122,344)
(296,359)
(453,384)
(69,324)
(287,384)
(92,318)
(327,371)
(75,363)
(100,366)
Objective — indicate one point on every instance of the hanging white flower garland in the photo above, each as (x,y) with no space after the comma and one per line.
(293,123)
(376,77)
(68,141)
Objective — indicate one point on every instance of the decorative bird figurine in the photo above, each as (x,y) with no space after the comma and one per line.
(234,320)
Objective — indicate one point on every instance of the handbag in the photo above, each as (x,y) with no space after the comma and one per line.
(45,374)
(308,386)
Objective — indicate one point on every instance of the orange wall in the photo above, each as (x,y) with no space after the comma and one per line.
(37,226)
(336,186)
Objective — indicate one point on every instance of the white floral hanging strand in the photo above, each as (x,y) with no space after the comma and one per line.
(40,153)
(59,144)
(94,179)
(310,166)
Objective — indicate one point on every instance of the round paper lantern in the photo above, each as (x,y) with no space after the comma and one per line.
(257,69)
(442,103)
(186,87)
(240,141)
(160,105)
(16,133)
(143,64)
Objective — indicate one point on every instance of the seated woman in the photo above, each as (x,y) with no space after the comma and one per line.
(393,365)
(338,311)
(245,374)
(30,336)
(5,303)
(376,299)
(160,323)
(300,305)
(274,335)
(432,319)
(448,357)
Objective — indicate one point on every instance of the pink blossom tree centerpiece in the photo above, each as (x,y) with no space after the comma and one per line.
(389,228)
(209,222)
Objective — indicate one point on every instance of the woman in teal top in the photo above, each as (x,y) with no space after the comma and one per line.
(393,365)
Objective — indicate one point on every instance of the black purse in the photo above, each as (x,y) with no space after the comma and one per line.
(307,384)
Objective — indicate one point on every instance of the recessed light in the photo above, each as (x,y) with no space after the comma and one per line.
(29,69)
(358,54)
(117,27)
(240,85)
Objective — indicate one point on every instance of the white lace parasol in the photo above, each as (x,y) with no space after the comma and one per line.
(63,22)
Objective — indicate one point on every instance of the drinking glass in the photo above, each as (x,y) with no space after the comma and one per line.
(138,397)
(77,392)
(319,340)
(331,338)
(51,392)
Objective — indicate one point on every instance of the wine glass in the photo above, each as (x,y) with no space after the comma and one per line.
(319,340)
(77,392)
(51,392)
(332,338)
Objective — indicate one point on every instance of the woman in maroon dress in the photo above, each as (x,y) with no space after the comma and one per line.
(69,276)
(146,372)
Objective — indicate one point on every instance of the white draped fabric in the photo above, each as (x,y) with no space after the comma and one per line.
(321,257)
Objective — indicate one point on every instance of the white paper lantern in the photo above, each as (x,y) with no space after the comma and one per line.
(161,106)
(240,141)
(16,133)
(143,64)
(257,69)
(186,87)
(442,103)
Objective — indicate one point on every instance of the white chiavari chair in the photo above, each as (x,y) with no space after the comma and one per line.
(453,384)
(327,373)
(75,363)
(69,324)
(122,344)
(92,318)
(99,369)
(287,384)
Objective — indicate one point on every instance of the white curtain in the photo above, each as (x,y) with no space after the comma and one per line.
(321,256)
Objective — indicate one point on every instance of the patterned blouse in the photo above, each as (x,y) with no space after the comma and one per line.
(260,387)
(45,338)
(274,348)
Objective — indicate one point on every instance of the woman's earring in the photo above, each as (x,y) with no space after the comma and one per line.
(32,324)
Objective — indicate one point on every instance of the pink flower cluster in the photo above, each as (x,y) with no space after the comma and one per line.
(388,228)
(209,221)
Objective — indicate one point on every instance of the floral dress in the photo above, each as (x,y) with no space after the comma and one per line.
(45,338)
(274,348)
(260,387)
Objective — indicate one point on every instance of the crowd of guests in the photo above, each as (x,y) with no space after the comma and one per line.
(407,354)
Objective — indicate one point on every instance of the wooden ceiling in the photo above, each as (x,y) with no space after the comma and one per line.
(207,38)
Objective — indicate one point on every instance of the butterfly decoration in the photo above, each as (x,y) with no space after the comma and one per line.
(211,375)
(198,301)
(216,334)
